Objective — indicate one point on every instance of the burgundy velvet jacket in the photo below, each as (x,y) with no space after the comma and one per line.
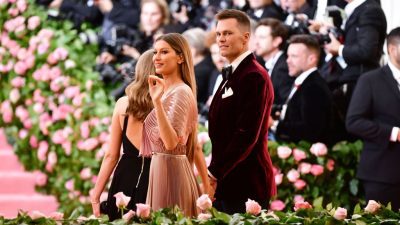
(238,130)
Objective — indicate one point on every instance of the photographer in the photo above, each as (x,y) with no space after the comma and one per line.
(123,44)
(364,35)
(77,11)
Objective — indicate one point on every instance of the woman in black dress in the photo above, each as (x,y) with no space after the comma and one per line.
(132,172)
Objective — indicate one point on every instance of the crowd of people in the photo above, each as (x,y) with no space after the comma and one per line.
(250,70)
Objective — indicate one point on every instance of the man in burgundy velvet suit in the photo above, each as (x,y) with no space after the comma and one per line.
(241,167)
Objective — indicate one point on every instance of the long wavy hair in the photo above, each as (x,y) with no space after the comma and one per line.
(140,103)
(186,70)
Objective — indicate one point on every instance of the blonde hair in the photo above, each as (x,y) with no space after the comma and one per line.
(163,6)
(186,69)
(140,103)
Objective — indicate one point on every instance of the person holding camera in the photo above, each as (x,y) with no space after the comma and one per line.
(364,36)
(307,112)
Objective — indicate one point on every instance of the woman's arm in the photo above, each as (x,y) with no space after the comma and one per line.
(200,163)
(167,133)
(111,157)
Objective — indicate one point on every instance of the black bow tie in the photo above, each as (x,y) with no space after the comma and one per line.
(226,72)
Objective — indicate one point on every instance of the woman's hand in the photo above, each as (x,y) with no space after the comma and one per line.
(96,207)
(156,88)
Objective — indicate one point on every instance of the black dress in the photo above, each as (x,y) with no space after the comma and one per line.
(129,178)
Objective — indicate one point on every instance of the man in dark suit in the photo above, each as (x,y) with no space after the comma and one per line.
(307,112)
(240,167)
(270,36)
(374,115)
(364,36)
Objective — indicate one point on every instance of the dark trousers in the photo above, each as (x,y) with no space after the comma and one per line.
(233,206)
(230,206)
(383,193)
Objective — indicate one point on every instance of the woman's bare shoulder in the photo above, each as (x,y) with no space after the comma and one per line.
(121,105)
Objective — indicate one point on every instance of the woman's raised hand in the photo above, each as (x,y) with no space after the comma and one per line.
(156,88)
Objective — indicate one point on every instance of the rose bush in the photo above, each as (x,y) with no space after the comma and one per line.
(55,111)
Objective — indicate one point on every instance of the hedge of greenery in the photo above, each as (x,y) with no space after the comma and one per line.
(56,114)
(306,214)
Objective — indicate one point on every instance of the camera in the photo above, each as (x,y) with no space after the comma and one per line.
(121,35)
(176,6)
(108,74)
(325,39)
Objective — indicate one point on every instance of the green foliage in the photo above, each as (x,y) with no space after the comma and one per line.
(174,216)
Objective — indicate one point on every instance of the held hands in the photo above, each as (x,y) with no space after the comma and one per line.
(156,88)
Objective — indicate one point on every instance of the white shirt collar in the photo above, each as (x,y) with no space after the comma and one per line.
(239,59)
(351,6)
(303,76)
(395,71)
(270,63)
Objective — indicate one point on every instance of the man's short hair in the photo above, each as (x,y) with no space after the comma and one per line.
(278,29)
(393,37)
(308,40)
(241,17)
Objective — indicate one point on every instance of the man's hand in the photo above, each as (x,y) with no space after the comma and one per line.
(333,46)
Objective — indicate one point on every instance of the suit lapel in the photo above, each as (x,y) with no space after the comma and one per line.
(390,81)
(354,16)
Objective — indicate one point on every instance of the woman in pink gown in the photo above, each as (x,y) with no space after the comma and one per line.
(169,132)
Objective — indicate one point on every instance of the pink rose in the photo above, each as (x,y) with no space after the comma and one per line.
(302,205)
(33,141)
(20,68)
(319,149)
(299,155)
(293,175)
(340,213)
(33,22)
(70,64)
(204,216)
(86,173)
(278,179)
(127,216)
(330,165)
(143,210)
(277,205)
(70,185)
(203,137)
(14,95)
(372,207)
(22,134)
(40,178)
(36,215)
(317,170)
(284,152)
(42,150)
(18,82)
(121,200)
(305,168)
(298,198)
(299,184)
(56,215)
(252,207)
(204,202)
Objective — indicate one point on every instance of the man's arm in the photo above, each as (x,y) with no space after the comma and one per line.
(360,118)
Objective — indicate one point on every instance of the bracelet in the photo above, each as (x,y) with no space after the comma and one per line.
(95,202)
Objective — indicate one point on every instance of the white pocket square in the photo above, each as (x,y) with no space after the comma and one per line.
(228,92)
